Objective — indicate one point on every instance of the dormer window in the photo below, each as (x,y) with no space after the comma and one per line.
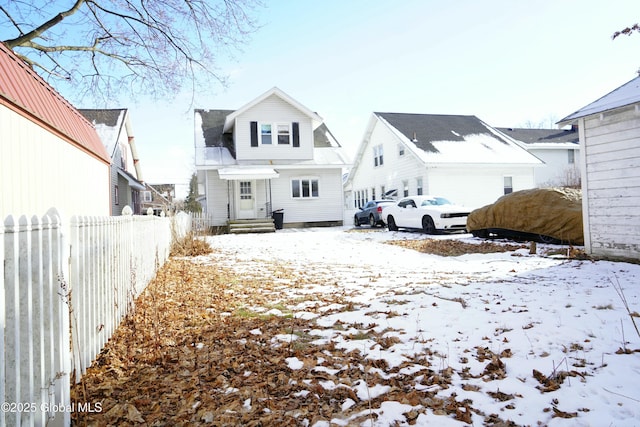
(284,133)
(265,133)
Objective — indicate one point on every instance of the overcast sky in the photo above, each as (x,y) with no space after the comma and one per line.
(512,63)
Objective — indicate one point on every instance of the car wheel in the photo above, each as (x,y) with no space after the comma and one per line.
(372,221)
(483,234)
(427,225)
(356,221)
(391,224)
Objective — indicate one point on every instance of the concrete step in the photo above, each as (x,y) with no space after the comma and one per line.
(262,225)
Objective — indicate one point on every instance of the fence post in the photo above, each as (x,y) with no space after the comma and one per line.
(38,315)
(75,273)
(12,316)
(3,323)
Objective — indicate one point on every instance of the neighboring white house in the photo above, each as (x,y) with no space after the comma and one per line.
(50,155)
(114,128)
(271,154)
(559,149)
(457,157)
(610,156)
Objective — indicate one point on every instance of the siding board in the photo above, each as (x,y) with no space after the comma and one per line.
(612,161)
(33,179)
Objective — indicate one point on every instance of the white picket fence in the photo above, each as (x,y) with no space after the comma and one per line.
(65,290)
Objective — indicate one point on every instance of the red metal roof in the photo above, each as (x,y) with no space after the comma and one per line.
(22,89)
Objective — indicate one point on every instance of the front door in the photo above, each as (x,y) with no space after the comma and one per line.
(246,199)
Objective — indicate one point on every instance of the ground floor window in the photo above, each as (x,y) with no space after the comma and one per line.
(508,185)
(304,188)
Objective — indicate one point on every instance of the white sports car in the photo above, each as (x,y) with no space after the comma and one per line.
(429,213)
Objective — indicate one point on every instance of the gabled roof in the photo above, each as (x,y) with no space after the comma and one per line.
(230,119)
(108,123)
(212,123)
(424,129)
(438,138)
(627,94)
(23,91)
(542,136)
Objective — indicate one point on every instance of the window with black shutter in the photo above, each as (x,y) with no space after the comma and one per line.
(296,134)
(254,134)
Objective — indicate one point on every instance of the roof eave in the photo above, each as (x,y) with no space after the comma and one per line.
(230,119)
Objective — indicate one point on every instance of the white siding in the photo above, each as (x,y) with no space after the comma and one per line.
(273,110)
(327,207)
(393,171)
(476,187)
(611,186)
(470,185)
(217,199)
(557,170)
(39,170)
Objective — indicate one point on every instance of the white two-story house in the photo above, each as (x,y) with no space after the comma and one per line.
(457,157)
(272,154)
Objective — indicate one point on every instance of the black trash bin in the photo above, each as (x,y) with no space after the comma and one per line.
(278,218)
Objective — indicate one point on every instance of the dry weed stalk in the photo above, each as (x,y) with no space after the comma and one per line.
(190,245)
(618,288)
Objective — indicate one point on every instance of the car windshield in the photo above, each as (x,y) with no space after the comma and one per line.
(436,201)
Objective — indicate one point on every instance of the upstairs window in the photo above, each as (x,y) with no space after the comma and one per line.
(146,196)
(265,133)
(400,150)
(284,134)
(378,157)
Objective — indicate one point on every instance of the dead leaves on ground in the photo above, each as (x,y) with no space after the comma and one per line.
(201,347)
(449,247)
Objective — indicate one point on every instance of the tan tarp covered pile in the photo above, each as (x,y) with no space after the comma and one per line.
(553,212)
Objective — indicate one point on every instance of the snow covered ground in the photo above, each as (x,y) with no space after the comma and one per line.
(535,339)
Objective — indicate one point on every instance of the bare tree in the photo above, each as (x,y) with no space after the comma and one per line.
(627,31)
(548,123)
(109,47)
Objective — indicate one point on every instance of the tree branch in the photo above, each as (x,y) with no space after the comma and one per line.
(36,32)
(141,46)
(627,31)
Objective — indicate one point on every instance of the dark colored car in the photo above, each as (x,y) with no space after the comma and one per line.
(371,213)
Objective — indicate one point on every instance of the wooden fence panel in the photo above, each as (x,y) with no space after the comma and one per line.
(112,260)
(35,333)
(86,283)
